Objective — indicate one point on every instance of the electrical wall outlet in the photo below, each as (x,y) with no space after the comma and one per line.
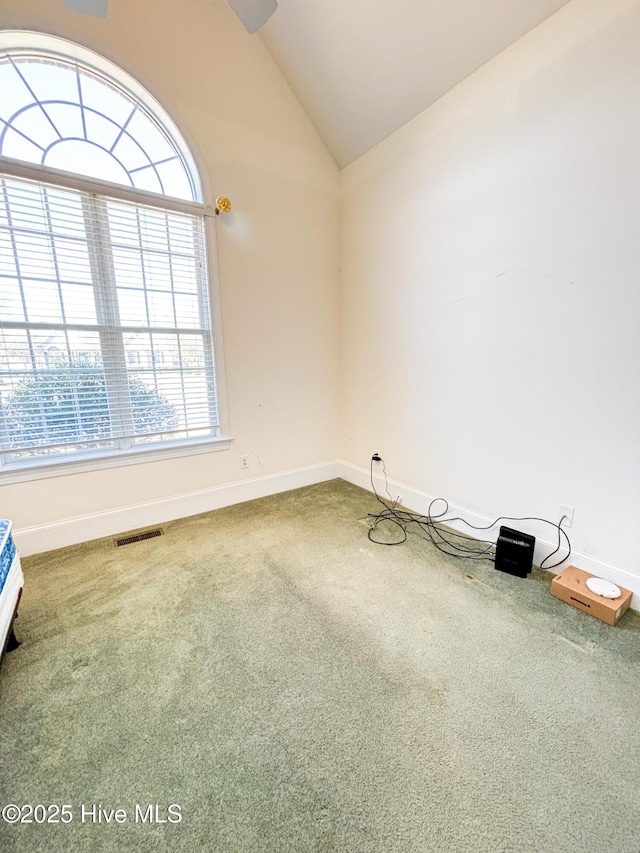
(244,461)
(567,512)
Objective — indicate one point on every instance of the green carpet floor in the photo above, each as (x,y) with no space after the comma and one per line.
(293,687)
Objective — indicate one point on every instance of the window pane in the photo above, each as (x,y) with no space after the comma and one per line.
(123,224)
(11,306)
(129,153)
(50,81)
(79,303)
(34,124)
(23,206)
(60,406)
(147,179)
(67,119)
(153,230)
(185,277)
(34,255)
(66,214)
(160,308)
(150,137)
(76,155)
(42,301)
(128,267)
(133,307)
(175,181)
(7,255)
(17,146)
(103,98)
(72,258)
(157,271)
(101,129)
(15,93)
(187,311)
(180,231)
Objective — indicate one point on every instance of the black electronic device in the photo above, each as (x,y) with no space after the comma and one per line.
(514,552)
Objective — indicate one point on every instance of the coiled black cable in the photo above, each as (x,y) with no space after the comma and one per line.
(433,527)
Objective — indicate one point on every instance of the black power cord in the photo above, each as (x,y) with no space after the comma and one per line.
(432,527)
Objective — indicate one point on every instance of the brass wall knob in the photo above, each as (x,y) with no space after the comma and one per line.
(223,205)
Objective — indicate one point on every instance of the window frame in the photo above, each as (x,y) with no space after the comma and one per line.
(47,46)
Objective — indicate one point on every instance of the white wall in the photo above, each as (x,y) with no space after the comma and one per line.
(490,337)
(277,252)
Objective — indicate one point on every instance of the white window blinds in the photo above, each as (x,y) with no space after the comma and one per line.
(105,325)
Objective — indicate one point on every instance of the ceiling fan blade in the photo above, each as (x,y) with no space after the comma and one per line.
(95,8)
(253,14)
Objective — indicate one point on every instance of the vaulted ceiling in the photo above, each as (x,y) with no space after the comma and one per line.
(363,68)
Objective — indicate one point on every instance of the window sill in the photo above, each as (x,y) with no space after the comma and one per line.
(99,462)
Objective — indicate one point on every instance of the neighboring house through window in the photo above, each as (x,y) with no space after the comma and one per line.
(106,338)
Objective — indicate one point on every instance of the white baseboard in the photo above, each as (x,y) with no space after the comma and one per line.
(419,502)
(72,531)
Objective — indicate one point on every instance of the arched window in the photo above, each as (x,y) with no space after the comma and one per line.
(106,339)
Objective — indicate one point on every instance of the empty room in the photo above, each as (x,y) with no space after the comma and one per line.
(319,426)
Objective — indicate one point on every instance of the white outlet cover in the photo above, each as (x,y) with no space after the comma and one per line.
(599,586)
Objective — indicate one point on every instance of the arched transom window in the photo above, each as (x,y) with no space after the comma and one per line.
(106,338)
(79,118)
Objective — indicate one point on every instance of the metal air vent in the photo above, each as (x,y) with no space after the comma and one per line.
(137,537)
